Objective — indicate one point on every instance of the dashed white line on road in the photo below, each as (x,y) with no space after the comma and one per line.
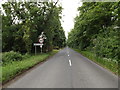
(68,55)
(70,62)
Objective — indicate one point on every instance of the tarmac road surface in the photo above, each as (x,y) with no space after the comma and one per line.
(67,69)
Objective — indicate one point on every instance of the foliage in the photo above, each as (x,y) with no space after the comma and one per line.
(11,56)
(25,56)
(107,44)
(23,22)
(95,29)
(59,38)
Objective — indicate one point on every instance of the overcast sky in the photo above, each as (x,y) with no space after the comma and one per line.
(69,13)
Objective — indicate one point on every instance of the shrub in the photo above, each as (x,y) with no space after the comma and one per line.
(11,56)
(26,56)
(56,47)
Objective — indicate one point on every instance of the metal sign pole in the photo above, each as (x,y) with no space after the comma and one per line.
(35,50)
(41,50)
(41,47)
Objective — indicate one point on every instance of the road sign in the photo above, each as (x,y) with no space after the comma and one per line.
(37,44)
(41,40)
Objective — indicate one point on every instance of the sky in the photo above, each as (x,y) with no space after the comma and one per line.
(69,13)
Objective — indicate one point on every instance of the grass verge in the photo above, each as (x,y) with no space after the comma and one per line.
(106,63)
(10,70)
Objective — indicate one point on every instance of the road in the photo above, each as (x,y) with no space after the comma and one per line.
(67,69)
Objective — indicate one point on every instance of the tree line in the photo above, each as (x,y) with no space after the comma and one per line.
(97,29)
(23,22)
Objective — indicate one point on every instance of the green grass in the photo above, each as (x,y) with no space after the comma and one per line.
(106,63)
(16,67)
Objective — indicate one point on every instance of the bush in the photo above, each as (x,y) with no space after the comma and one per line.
(26,56)
(11,56)
(106,45)
(56,47)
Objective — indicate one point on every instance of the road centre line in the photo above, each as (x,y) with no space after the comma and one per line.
(70,63)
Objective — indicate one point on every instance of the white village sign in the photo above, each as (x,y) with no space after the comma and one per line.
(41,40)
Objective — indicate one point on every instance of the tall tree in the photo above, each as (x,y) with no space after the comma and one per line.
(95,29)
(24,22)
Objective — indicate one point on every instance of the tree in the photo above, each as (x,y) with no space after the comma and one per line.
(94,29)
(24,22)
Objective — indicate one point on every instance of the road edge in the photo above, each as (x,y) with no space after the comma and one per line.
(24,72)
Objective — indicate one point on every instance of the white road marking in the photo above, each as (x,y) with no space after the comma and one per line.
(68,55)
(70,62)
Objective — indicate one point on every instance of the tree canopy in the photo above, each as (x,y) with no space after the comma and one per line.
(97,29)
(23,22)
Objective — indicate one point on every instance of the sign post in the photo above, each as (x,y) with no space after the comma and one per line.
(41,40)
(35,50)
(41,48)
